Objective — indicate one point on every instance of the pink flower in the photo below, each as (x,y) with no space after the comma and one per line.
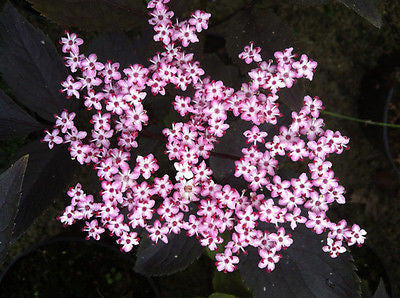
(69,216)
(52,138)
(268,211)
(226,261)
(106,169)
(337,230)
(93,229)
(268,260)
(249,54)
(132,198)
(317,221)
(146,165)
(158,232)
(117,226)
(73,61)
(255,135)
(295,218)
(71,87)
(188,189)
(186,35)
(91,66)
(127,241)
(334,248)
(167,209)
(302,186)
(65,121)
(71,43)
(110,72)
(160,14)
(281,239)
(136,117)
(305,67)
(355,235)
(93,100)
(162,186)
(285,57)
(164,33)
(200,19)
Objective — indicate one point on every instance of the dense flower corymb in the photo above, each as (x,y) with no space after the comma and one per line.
(135,197)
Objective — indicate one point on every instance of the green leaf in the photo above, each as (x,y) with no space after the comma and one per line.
(99,15)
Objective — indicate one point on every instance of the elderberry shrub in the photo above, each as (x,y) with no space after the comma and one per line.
(135,201)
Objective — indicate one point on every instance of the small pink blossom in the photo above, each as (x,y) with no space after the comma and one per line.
(226,261)
(52,138)
(250,53)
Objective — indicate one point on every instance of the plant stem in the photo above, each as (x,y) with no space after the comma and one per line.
(367,122)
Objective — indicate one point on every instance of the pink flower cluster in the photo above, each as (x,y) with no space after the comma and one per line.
(135,198)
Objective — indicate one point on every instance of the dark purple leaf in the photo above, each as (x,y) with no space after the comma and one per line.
(228,150)
(117,47)
(221,295)
(367,9)
(47,176)
(292,97)
(99,15)
(31,66)
(218,71)
(381,290)
(164,259)
(10,194)
(14,121)
(262,27)
(230,283)
(303,271)
(310,2)
(267,31)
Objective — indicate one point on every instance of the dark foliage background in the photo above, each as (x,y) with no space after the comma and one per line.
(358,54)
